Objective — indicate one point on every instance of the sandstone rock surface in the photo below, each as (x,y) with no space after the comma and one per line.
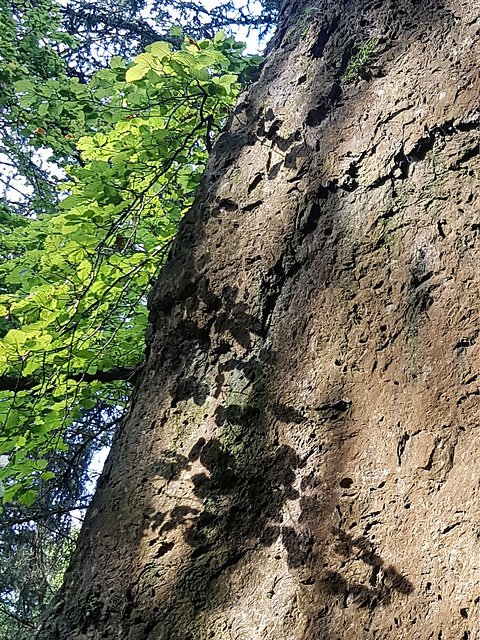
(301,461)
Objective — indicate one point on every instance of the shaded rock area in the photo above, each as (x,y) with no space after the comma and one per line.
(301,460)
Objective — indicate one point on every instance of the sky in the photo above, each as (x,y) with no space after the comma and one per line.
(254,46)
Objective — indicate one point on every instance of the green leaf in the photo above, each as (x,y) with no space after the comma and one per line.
(15,338)
(84,270)
(21,442)
(28,498)
(11,492)
(185,58)
(200,73)
(227,79)
(24,85)
(161,49)
(142,65)
(117,62)
(85,354)
(176,31)
(177,67)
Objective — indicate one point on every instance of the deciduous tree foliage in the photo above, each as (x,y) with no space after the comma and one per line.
(31,46)
(45,40)
(74,310)
(76,263)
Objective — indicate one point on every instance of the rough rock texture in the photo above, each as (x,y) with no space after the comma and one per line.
(301,458)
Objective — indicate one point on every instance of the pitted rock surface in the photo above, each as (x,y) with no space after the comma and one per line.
(301,456)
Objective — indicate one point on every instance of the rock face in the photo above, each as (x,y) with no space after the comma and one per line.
(301,458)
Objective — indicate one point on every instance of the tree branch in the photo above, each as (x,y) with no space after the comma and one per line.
(8,613)
(128,374)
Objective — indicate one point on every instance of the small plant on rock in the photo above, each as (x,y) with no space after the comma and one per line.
(359,63)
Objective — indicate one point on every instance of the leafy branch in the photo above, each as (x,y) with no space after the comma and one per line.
(127,374)
(73,302)
(359,64)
